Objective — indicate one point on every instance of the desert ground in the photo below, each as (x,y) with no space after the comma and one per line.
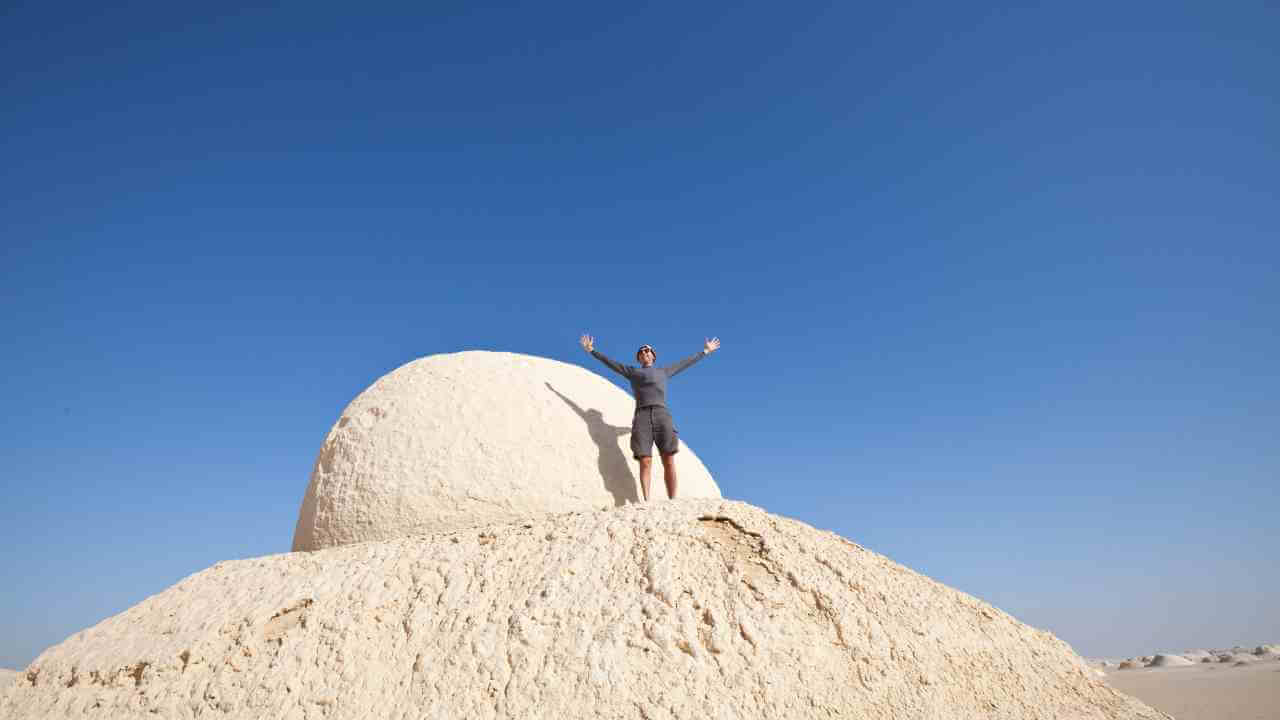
(1235,684)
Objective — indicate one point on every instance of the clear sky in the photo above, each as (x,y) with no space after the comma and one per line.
(999,288)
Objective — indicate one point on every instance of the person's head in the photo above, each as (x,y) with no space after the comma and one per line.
(646,356)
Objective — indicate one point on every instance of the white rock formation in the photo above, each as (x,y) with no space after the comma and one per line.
(687,609)
(1169,661)
(7,680)
(464,439)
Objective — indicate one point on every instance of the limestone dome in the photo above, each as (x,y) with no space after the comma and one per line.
(472,438)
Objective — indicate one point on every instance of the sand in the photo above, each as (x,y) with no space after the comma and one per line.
(1206,691)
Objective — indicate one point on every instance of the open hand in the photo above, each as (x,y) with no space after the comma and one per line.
(588,343)
(712,345)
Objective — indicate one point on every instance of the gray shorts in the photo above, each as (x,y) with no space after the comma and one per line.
(653,424)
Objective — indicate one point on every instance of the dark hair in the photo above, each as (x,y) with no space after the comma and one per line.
(646,347)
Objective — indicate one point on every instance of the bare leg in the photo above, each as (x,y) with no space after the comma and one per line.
(645,464)
(669,474)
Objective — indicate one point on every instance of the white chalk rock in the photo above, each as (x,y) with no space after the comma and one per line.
(1169,661)
(473,438)
(8,678)
(682,610)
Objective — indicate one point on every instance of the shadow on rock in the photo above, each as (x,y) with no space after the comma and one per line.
(615,472)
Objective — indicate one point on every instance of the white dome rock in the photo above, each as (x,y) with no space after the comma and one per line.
(473,438)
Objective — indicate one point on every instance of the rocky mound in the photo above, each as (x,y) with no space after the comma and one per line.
(688,609)
(474,438)
(7,680)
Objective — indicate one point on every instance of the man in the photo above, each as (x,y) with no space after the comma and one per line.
(652,422)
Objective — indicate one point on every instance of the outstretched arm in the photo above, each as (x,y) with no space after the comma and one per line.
(588,343)
(708,348)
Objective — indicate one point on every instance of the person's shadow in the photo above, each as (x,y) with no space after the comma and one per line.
(614,469)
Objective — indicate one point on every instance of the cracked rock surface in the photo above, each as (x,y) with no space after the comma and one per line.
(473,438)
(698,608)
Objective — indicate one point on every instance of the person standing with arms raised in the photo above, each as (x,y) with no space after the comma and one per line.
(652,422)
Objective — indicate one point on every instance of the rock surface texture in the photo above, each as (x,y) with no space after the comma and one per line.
(695,608)
(7,680)
(471,438)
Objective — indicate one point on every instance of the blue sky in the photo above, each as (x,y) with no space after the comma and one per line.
(998,287)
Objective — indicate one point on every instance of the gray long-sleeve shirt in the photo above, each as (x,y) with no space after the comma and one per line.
(649,385)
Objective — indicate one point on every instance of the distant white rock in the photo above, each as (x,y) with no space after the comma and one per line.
(475,438)
(1169,661)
